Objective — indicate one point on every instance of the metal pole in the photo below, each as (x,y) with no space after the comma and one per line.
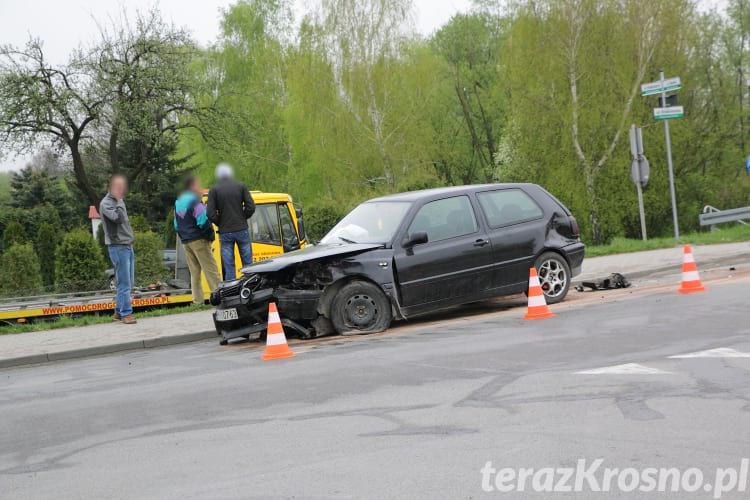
(669,161)
(636,148)
(641,210)
(639,188)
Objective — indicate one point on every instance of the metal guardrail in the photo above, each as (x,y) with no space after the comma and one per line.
(712,216)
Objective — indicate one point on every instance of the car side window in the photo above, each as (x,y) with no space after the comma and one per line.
(264,224)
(446,218)
(508,206)
(289,234)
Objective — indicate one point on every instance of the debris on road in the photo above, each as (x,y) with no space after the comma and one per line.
(611,282)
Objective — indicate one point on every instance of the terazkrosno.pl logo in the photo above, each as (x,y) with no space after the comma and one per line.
(591,476)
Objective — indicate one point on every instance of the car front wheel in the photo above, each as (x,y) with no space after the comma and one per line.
(362,307)
(554,276)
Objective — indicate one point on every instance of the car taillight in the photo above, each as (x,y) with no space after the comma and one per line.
(574,227)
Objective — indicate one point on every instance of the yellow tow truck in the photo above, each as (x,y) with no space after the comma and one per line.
(276,228)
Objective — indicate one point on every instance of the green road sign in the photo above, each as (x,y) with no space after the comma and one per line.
(669,113)
(669,85)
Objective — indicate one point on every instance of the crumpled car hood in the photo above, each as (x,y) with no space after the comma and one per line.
(307,254)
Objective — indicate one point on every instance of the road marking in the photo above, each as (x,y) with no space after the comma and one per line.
(721,352)
(626,369)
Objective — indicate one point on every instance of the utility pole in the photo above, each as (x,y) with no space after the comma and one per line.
(669,159)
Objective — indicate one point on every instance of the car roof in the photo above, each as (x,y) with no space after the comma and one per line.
(433,193)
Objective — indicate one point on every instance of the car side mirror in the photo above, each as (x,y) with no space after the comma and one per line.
(416,238)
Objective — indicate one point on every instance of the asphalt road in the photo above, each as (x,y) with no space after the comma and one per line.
(414,413)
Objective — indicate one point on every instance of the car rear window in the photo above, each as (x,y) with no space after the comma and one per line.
(508,206)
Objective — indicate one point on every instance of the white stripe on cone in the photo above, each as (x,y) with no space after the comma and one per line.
(688,258)
(536,301)
(273,317)
(690,276)
(534,281)
(275,339)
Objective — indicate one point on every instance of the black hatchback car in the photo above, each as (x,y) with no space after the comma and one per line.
(409,254)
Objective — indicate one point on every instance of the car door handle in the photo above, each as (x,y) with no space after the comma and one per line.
(481,242)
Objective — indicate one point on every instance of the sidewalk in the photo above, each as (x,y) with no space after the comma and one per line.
(68,343)
(640,264)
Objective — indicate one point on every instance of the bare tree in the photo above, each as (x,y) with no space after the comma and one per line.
(40,100)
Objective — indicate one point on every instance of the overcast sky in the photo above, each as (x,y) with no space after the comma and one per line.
(65,24)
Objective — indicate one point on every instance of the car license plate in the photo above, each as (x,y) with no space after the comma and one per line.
(226,315)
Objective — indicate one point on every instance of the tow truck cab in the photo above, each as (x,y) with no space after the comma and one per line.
(276,227)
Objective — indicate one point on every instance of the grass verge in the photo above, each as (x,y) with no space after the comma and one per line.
(623,245)
(92,319)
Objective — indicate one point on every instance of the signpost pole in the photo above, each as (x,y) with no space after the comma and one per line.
(669,161)
(639,187)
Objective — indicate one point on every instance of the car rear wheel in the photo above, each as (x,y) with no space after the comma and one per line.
(360,306)
(554,276)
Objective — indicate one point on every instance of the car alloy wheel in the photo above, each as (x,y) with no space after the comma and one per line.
(554,276)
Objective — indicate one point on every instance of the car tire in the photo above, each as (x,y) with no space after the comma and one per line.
(360,306)
(554,276)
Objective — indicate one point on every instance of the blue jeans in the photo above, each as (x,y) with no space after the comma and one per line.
(228,240)
(123,258)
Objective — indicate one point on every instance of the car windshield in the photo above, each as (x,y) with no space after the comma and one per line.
(371,222)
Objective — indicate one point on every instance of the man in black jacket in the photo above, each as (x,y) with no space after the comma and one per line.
(229,207)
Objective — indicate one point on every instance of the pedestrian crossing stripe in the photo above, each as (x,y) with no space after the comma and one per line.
(624,369)
(721,352)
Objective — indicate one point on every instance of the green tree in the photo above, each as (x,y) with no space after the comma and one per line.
(45,246)
(470,44)
(79,265)
(14,233)
(149,266)
(139,223)
(19,271)
(319,219)
(5,196)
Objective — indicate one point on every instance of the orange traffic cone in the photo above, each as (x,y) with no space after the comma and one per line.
(691,280)
(276,346)
(538,308)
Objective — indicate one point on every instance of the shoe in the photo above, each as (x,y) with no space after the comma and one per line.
(129,320)
(116,317)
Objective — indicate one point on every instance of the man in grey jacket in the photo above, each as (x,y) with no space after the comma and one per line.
(119,237)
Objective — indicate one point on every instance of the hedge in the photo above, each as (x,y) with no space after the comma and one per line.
(19,271)
(79,265)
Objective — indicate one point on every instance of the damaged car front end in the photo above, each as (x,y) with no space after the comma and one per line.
(300,283)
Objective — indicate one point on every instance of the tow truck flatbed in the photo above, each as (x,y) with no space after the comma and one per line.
(23,309)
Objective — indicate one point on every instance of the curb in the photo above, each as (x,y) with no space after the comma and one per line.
(35,359)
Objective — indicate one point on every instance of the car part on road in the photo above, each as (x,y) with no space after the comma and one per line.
(554,276)
(611,282)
